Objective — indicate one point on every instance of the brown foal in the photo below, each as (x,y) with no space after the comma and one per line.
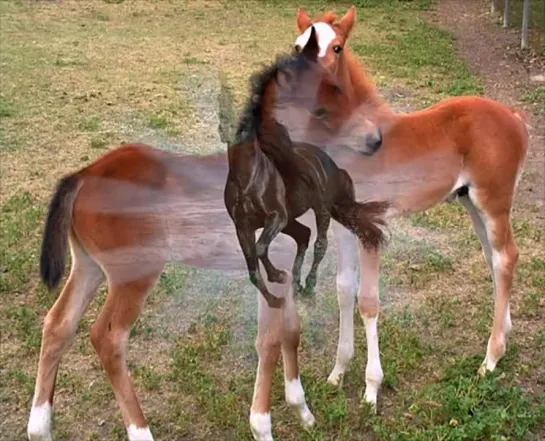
(466,147)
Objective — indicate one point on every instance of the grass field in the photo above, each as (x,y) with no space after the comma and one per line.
(80,77)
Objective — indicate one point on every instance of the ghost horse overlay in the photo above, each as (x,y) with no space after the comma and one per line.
(466,147)
(272,181)
(127,214)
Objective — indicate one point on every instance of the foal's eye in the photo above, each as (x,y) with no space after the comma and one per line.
(337,49)
(320,113)
(297,48)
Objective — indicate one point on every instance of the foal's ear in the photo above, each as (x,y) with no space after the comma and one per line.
(303,20)
(283,79)
(347,21)
(311,49)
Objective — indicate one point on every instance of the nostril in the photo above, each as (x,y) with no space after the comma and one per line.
(374,141)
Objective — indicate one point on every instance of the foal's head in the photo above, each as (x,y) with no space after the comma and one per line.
(331,34)
(331,37)
(299,93)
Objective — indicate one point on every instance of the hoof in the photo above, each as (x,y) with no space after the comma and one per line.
(307,419)
(308,291)
(335,378)
(279,276)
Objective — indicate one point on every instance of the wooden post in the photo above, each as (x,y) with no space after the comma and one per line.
(506,7)
(525,19)
(495,6)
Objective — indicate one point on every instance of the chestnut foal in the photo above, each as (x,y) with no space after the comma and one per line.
(470,148)
(136,208)
(271,182)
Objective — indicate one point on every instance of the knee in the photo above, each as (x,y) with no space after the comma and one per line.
(347,287)
(269,347)
(368,306)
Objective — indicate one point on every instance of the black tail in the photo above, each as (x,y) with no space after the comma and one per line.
(363,219)
(55,238)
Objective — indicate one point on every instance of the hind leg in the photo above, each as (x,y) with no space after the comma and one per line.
(503,251)
(273,225)
(504,258)
(323,218)
(59,330)
(110,335)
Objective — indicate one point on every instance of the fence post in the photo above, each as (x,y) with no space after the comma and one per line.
(506,7)
(495,6)
(525,19)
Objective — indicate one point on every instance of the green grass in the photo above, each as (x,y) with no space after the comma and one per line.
(536,98)
(80,77)
(403,53)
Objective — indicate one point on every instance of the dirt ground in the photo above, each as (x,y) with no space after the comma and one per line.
(493,53)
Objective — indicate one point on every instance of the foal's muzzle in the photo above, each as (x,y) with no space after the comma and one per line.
(373,142)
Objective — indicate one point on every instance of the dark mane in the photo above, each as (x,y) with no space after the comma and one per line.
(250,121)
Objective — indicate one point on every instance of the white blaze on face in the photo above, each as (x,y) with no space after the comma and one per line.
(324,33)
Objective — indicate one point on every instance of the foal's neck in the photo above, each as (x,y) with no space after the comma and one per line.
(365,92)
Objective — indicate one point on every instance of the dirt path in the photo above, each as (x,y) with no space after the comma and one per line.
(492,53)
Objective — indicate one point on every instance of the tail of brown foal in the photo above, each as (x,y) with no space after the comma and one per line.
(57,225)
(364,219)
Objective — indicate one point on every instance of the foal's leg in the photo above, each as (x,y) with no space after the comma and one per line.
(295,395)
(59,330)
(246,239)
(368,302)
(273,225)
(110,336)
(301,234)
(504,256)
(347,286)
(480,229)
(323,218)
(268,343)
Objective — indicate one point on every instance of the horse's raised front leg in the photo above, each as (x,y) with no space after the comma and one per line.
(368,302)
(301,234)
(347,286)
(273,225)
(246,239)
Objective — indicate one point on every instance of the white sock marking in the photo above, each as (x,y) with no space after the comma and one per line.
(347,287)
(373,371)
(139,433)
(324,33)
(39,423)
(295,397)
(260,423)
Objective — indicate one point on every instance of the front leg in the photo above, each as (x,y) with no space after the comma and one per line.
(273,225)
(323,219)
(368,302)
(246,238)
(301,234)
(347,288)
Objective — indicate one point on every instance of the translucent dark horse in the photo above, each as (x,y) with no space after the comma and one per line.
(272,181)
